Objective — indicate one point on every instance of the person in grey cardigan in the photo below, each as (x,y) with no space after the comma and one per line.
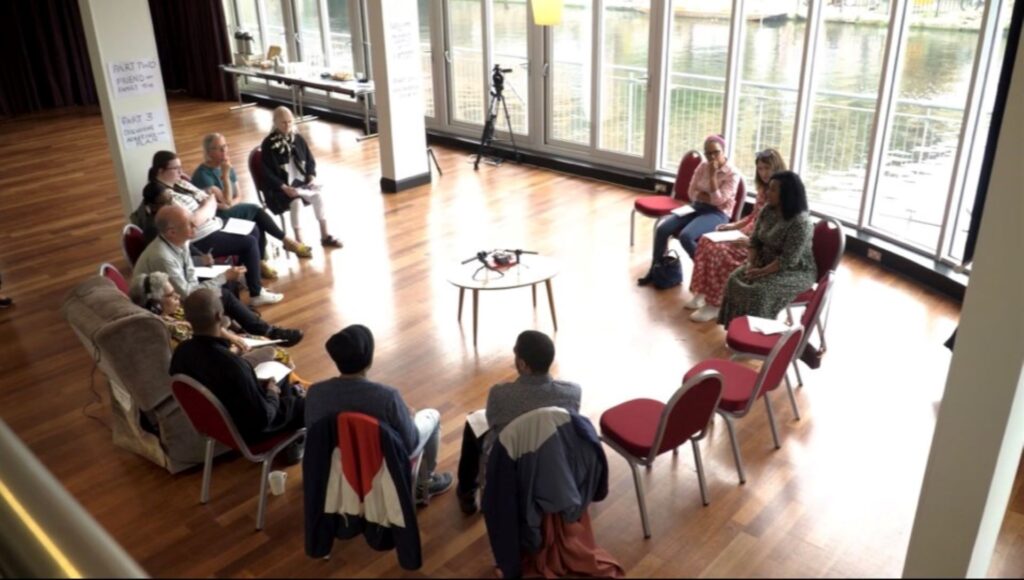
(534,388)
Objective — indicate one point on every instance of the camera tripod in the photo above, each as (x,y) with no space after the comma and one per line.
(492,116)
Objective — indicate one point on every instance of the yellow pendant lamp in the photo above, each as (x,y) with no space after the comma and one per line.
(546,12)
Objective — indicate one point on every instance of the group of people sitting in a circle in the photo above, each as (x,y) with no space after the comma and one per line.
(759,274)
(182,221)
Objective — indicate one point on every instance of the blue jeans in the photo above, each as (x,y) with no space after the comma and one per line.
(689,228)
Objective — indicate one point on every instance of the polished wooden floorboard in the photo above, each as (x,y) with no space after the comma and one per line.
(837,499)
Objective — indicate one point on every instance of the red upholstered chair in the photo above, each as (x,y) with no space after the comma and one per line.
(212,421)
(132,243)
(107,270)
(828,245)
(659,206)
(641,429)
(745,343)
(743,386)
(256,171)
(741,199)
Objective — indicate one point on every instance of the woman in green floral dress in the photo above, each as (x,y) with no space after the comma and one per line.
(781,264)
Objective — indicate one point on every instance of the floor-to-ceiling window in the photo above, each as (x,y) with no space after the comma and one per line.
(889,125)
(570,70)
(769,83)
(849,55)
(695,88)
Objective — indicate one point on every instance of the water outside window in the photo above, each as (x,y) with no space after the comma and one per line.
(843,102)
(428,74)
(931,93)
(624,55)
(698,51)
(467,60)
(773,54)
(570,73)
(341,36)
(966,203)
(510,21)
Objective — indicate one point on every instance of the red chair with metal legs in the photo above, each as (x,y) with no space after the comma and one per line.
(741,199)
(745,343)
(211,420)
(108,271)
(132,243)
(641,429)
(828,245)
(659,206)
(743,386)
(256,171)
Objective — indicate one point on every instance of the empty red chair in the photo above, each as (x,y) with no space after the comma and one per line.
(828,245)
(641,429)
(107,270)
(745,343)
(211,420)
(659,206)
(743,386)
(132,243)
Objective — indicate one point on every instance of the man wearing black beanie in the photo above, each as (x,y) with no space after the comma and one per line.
(351,349)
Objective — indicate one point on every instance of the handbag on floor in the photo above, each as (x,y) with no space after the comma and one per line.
(667,271)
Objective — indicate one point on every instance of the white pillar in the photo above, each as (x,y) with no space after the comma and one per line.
(398,79)
(126,68)
(979,434)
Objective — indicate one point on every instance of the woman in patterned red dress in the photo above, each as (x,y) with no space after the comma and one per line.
(713,262)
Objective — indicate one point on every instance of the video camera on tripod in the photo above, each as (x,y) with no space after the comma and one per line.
(497,86)
(498,79)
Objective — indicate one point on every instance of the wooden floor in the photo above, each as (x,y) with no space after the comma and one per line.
(837,500)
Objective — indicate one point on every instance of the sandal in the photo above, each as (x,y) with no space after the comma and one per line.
(267,271)
(331,242)
(299,249)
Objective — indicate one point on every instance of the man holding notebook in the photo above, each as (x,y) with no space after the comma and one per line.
(258,407)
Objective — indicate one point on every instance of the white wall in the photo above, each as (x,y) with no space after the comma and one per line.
(979,434)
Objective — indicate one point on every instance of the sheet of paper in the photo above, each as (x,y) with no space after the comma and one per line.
(478,422)
(258,342)
(272,370)
(726,236)
(208,272)
(238,226)
(684,210)
(767,325)
(306,192)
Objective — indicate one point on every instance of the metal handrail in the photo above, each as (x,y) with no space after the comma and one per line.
(46,533)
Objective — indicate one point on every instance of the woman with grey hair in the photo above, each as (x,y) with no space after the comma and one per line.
(289,171)
(155,293)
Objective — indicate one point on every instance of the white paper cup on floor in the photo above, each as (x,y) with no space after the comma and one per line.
(277,480)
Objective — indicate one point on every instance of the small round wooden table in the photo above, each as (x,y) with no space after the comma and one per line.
(531,271)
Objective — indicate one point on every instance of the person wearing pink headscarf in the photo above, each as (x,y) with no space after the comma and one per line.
(712,196)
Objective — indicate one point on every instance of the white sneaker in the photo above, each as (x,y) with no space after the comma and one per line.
(695,303)
(266,297)
(705,314)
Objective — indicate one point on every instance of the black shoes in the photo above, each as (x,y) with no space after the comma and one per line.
(292,455)
(467,502)
(646,280)
(287,336)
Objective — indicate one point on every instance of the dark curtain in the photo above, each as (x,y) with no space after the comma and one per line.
(192,42)
(46,63)
(1012,41)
